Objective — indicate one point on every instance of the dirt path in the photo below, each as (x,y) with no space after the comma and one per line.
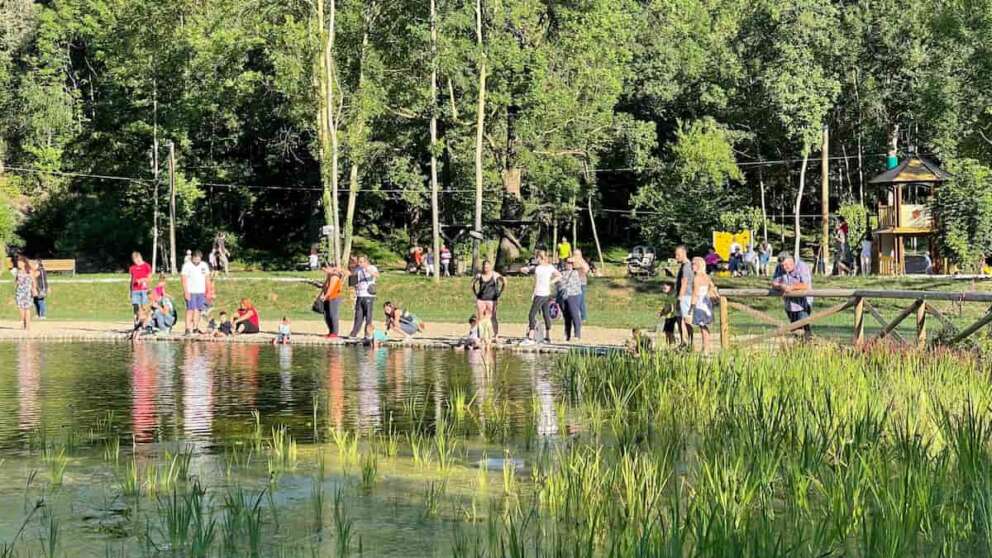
(308,332)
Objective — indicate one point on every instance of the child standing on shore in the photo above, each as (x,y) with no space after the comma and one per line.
(283,334)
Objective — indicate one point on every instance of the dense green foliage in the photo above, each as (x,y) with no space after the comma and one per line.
(667,106)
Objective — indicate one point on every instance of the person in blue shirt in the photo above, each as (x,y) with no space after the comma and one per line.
(793,276)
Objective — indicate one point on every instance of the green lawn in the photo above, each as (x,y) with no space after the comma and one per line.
(614,301)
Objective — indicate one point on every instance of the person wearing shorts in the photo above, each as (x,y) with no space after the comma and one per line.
(195,277)
(683,294)
(487,287)
(140,273)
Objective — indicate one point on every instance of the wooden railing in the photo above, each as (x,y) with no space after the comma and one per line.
(858,299)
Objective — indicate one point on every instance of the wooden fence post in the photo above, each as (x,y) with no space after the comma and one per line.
(921,325)
(724,323)
(859,322)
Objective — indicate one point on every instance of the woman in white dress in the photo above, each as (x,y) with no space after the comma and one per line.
(703,291)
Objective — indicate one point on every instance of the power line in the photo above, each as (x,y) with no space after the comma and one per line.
(76,174)
(742,164)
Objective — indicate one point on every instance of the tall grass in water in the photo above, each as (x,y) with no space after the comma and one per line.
(811,452)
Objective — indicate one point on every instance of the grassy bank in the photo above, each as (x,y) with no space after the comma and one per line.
(613,301)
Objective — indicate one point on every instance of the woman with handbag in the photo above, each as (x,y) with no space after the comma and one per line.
(330,298)
(703,293)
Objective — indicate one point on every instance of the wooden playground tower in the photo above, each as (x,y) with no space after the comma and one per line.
(904,215)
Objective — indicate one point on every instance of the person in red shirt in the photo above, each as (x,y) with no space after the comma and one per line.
(140,272)
(247,319)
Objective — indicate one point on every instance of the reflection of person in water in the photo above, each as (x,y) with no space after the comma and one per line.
(285,374)
(144,378)
(335,389)
(28,385)
(368,389)
(198,394)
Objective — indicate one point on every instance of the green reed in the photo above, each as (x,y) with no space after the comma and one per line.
(370,471)
(57,461)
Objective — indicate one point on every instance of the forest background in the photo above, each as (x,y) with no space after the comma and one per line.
(661,119)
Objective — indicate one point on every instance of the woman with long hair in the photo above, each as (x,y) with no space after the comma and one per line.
(24,290)
(247,320)
(703,292)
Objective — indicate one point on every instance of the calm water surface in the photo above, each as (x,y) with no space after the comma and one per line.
(200,397)
(205,392)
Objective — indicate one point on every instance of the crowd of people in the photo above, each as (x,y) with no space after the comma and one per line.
(559,291)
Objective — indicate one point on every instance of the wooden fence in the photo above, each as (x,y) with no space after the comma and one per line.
(920,306)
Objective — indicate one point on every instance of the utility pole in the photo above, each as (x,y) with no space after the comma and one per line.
(172,207)
(155,174)
(825,200)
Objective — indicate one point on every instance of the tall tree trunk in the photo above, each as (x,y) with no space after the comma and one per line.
(825,201)
(480,120)
(323,134)
(799,200)
(356,158)
(331,213)
(435,220)
(764,210)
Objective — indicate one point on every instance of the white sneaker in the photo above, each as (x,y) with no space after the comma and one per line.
(528,342)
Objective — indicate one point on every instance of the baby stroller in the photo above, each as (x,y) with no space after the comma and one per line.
(641,262)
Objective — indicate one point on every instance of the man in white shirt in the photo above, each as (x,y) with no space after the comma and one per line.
(195,277)
(365,278)
(544,275)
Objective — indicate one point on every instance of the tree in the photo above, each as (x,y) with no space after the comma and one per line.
(684,201)
(962,209)
(798,82)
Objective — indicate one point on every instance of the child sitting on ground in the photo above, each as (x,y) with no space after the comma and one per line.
(471,340)
(222,327)
(282,336)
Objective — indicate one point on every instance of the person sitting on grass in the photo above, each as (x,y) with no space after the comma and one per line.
(402,321)
(283,333)
(247,320)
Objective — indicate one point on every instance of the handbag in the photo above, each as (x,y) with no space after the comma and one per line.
(318,304)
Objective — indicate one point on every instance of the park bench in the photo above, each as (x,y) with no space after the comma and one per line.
(52,266)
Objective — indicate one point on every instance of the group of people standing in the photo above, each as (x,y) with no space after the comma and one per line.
(423,261)
(31,289)
(558,291)
(694,294)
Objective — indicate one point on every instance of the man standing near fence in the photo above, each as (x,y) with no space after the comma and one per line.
(365,277)
(794,276)
(683,294)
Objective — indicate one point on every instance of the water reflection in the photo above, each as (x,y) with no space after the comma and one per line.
(205,392)
(144,393)
(198,391)
(29,385)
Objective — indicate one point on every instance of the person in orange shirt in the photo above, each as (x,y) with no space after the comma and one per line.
(330,293)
